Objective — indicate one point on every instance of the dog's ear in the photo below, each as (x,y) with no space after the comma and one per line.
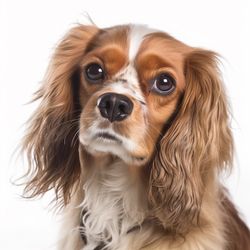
(51,141)
(197,143)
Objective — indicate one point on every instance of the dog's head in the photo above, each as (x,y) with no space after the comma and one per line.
(137,94)
(131,79)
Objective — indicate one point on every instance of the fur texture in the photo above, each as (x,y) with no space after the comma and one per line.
(153,182)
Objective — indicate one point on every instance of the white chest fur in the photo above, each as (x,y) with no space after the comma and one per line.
(113,205)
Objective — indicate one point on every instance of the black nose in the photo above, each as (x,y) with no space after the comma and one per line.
(115,107)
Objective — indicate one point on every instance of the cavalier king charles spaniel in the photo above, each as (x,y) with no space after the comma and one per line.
(132,132)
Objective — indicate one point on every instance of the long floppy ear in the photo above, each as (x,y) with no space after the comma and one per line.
(51,142)
(197,143)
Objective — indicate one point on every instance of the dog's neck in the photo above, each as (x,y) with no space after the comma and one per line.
(113,203)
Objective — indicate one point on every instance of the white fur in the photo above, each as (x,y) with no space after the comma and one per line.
(122,149)
(137,35)
(128,83)
(112,202)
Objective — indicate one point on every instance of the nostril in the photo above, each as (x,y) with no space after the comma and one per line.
(104,102)
(124,107)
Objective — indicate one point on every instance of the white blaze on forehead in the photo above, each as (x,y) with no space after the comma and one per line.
(128,82)
(136,37)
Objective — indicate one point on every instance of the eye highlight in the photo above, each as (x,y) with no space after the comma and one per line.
(164,84)
(94,73)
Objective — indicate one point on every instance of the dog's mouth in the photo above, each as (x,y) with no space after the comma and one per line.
(115,144)
(107,137)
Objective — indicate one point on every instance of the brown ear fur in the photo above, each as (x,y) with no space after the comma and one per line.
(236,231)
(197,143)
(51,141)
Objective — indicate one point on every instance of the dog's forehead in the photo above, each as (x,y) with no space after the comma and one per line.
(128,37)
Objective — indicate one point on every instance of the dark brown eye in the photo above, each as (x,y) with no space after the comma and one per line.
(164,84)
(94,73)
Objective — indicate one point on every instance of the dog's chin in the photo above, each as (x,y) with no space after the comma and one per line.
(105,143)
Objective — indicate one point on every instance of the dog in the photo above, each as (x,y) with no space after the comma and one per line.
(131,133)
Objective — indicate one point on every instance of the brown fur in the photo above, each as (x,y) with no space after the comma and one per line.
(51,148)
(236,230)
(197,142)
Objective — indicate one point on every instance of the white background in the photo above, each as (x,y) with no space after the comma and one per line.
(29,31)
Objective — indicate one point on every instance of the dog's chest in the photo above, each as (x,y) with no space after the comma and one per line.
(110,208)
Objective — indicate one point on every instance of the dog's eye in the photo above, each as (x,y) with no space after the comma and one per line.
(94,73)
(164,84)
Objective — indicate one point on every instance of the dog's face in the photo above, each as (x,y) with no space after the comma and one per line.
(131,79)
